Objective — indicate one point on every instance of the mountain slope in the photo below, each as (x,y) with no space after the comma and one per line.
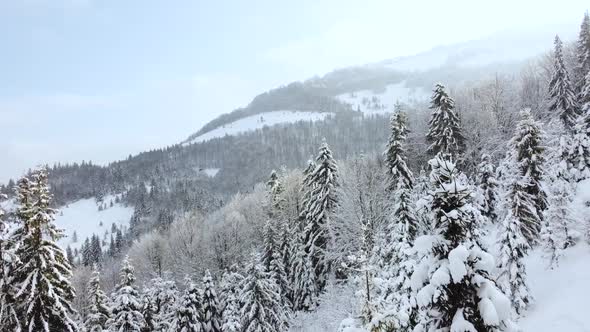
(375,87)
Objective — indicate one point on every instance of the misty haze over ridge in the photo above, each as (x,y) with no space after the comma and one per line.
(111,128)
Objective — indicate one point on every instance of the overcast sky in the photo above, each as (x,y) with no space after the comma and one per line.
(101,79)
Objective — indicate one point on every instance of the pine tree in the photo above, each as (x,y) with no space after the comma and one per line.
(158,302)
(262,310)
(578,152)
(188,312)
(8,261)
(126,311)
(558,218)
(322,184)
(394,257)
(276,190)
(230,299)
(561,93)
(304,293)
(488,187)
(306,188)
(513,248)
(459,293)
(43,279)
(395,158)
(445,135)
(396,266)
(98,310)
(583,57)
(211,308)
(526,163)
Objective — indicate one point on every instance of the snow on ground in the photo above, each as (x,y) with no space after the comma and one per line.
(210,172)
(368,101)
(84,218)
(561,295)
(259,121)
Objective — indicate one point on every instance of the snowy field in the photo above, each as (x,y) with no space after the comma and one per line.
(259,121)
(370,102)
(83,217)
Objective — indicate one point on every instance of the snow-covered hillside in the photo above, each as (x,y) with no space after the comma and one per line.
(374,102)
(259,121)
(85,219)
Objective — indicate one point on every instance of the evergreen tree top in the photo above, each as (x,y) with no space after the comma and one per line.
(562,96)
(397,169)
(444,134)
(127,273)
(527,142)
(440,98)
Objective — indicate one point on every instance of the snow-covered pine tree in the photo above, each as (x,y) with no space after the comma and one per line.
(126,307)
(445,135)
(583,57)
(514,247)
(188,311)
(456,289)
(158,302)
(230,301)
(304,286)
(276,189)
(98,310)
(306,188)
(396,259)
(578,152)
(562,98)
(558,218)
(488,187)
(421,197)
(8,261)
(148,311)
(262,310)
(43,279)
(211,308)
(397,299)
(525,161)
(397,168)
(322,181)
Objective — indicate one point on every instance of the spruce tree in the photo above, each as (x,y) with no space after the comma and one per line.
(459,292)
(558,218)
(444,135)
(230,299)
(8,261)
(583,57)
(526,163)
(304,285)
(395,158)
(98,310)
(397,260)
(322,184)
(211,308)
(562,101)
(578,151)
(276,189)
(158,302)
(126,311)
(43,279)
(188,312)
(487,187)
(262,310)
(513,248)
